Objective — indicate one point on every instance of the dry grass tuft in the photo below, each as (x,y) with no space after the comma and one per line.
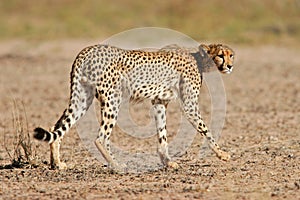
(23,153)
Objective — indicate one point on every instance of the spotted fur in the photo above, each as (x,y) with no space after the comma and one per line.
(106,72)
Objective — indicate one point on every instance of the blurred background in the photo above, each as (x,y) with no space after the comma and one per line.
(234,21)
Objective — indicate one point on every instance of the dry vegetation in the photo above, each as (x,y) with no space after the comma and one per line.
(22,154)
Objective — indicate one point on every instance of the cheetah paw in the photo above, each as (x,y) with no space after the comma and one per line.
(224,156)
(172,165)
(117,167)
(60,166)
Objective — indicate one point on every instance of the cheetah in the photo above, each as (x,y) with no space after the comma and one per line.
(105,72)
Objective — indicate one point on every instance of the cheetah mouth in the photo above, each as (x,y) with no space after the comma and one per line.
(227,71)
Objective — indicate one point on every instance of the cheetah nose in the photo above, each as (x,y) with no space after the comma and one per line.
(229,66)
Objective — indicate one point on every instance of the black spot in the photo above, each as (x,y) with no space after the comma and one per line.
(68,120)
(164,138)
(57,125)
(160,140)
(59,132)
(105,127)
(64,128)
(111,126)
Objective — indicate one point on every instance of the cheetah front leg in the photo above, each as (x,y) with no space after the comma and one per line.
(159,109)
(189,104)
(203,130)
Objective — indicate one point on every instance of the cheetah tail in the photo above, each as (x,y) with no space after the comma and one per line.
(42,134)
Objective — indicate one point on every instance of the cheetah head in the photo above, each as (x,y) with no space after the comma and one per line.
(222,55)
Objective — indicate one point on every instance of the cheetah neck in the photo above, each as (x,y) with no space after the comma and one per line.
(204,62)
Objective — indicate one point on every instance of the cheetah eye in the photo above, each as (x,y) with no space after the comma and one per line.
(231,56)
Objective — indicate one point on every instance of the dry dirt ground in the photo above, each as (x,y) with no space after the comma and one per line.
(261,132)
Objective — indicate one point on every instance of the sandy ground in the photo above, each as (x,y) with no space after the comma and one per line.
(261,132)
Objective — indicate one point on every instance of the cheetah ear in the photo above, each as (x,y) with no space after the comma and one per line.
(205,48)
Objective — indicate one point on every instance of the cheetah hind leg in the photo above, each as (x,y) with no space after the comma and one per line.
(54,156)
(80,101)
